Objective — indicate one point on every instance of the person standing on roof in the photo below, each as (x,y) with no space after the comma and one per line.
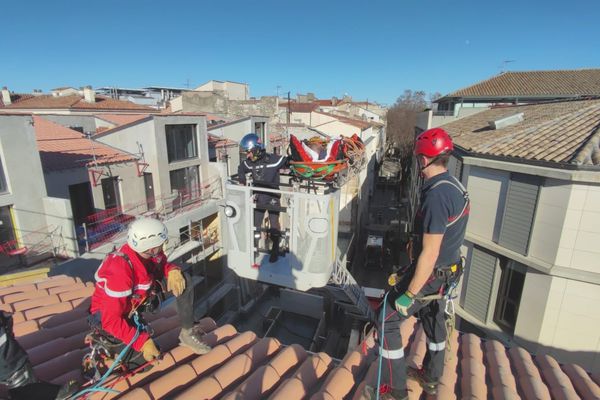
(439,231)
(129,279)
(264,169)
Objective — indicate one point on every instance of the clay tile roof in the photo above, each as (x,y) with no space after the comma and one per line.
(76,102)
(351,121)
(63,148)
(564,132)
(16,97)
(121,119)
(300,107)
(558,83)
(51,324)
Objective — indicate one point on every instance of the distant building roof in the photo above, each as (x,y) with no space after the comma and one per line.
(299,107)
(324,102)
(73,102)
(554,84)
(121,119)
(564,132)
(63,148)
(16,97)
(49,322)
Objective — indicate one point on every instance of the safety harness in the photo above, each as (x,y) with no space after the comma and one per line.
(102,359)
(449,274)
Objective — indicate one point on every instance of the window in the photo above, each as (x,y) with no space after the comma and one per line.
(186,182)
(3,185)
(181,142)
(509,294)
(519,212)
(479,282)
(7,231)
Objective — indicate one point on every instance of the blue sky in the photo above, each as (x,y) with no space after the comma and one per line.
(369,49)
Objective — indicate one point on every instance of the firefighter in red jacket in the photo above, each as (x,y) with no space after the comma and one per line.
(128,279)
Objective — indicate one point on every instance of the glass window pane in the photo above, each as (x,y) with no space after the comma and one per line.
(181,142)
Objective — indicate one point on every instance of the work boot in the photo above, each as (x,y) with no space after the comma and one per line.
(429,385)
(385,393)
(190,338)
(275,247)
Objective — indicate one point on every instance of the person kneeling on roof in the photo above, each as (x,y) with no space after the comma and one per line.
(130,280)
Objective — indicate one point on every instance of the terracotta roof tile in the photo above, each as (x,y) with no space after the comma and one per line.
(558,83)
(63,148)
(121,119)
(558,132)
(300,107)
(242,366)
(75,102)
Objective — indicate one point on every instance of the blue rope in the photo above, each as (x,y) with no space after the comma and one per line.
(97,387)
(382,342)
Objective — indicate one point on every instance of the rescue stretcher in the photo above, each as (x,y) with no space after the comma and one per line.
(326,160)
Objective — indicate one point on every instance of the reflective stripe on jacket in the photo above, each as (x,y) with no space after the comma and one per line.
(120,285)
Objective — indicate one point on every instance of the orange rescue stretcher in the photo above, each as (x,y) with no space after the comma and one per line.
(327,160)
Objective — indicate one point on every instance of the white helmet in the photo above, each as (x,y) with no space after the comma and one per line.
(146,233)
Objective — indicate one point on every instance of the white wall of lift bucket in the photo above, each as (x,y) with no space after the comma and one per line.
(309,222)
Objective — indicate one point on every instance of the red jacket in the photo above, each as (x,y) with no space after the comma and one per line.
(116,282)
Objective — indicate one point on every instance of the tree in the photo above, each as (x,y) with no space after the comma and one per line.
(402,118)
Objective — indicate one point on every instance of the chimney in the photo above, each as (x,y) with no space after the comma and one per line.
(6,96)
(89,94)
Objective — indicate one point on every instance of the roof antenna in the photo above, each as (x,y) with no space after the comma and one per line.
(502,66)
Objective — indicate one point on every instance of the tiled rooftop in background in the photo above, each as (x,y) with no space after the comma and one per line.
(50,323)
(559,132)
(63,148)
(121,119)
(73,102)
(582,82)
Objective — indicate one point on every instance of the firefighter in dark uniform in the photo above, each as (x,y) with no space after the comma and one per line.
(264,169)
(439,230)
(16,371)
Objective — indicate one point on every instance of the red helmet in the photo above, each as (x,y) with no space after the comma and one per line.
(433,142)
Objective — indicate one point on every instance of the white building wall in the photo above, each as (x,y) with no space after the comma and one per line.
(579,244)
(131,186)
(487,191)
(23,172)
(300,118)
(556,317)
(549,220)
(318,119)
(336,128)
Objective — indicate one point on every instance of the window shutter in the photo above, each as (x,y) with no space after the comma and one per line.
(457,172)
(519,211)
(478,288)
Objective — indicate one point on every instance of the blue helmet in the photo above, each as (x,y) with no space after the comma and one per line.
(250,143)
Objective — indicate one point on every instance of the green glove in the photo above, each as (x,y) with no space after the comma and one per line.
(404,302)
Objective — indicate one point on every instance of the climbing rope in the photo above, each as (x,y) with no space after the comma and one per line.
(382,341)
(97,387)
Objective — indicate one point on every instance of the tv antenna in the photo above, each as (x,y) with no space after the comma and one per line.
(505,64)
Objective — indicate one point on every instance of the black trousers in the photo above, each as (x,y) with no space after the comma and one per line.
(431,314)
(263,200)
(16,371)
